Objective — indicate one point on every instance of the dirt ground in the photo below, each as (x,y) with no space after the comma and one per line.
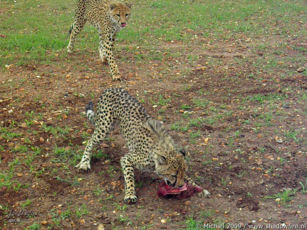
(242,152)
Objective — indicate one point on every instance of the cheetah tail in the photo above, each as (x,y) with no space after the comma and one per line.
(89,109)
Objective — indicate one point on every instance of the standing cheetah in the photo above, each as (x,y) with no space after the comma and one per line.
(151,148)
(108,17)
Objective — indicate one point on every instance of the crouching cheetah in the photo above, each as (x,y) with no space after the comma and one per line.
(108,17)
(151,148)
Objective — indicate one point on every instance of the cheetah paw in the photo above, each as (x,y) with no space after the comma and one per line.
(83,165)
(105,61)
(204,193)
(116,77)
(69,50)
(132,199)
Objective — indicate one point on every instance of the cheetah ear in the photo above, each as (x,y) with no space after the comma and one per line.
(154,126)
(113,5)
(129,5)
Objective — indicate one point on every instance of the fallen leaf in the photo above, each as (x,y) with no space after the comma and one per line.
(82,221)
(206,140)
(278,139)
(44,222)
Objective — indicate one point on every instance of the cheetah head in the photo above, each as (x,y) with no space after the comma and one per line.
(120,12)
(169,160)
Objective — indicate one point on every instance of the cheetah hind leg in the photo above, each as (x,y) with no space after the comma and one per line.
(103,57)
(99,134)
(74,30)
(78,24)
(106,53)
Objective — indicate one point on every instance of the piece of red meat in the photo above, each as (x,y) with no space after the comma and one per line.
(184,192)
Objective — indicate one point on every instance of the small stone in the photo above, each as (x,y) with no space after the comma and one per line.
(278,139)
(301,69)
(100,227)
(23,125)
(44,222)
(8,66)
(82,221)
(286,106)
(41,140)
(163,221)
(187,202)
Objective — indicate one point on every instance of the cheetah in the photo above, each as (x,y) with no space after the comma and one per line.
(109,18)
(150,147)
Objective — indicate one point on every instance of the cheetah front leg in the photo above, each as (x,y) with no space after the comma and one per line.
(102,54)
(204,193)
(85,163)
(106,54)
(127,166)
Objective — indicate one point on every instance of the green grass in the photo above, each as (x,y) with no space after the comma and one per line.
(34,226)
(200,102)
(8,135)
(37,31)
(21,149)
(261,98)
(283,197)
(304,186)
(81,211)
(26,203)
(56,131)
(67,154)
(292,135)
(160,100)
(7,181)
(192,224)
(179,127)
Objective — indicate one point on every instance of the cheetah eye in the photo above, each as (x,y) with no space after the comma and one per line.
(127,15)
(174,176)
(118,15)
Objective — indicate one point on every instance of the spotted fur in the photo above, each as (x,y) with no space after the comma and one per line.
(151,148)
(108,17)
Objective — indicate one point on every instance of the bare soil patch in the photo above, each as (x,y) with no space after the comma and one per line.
(243,151)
